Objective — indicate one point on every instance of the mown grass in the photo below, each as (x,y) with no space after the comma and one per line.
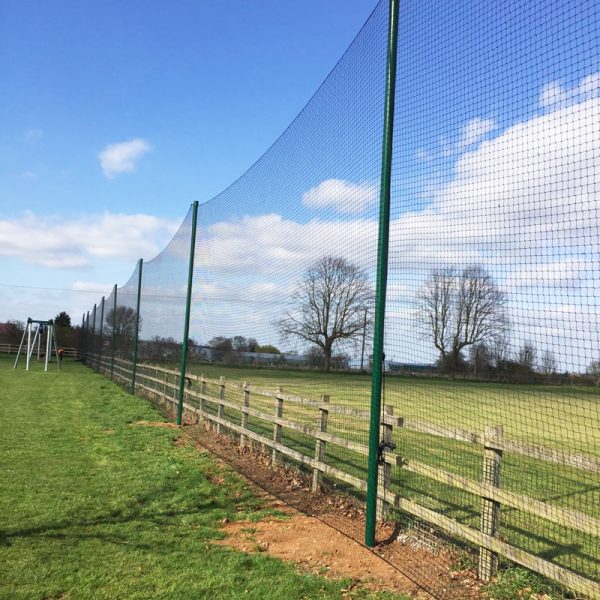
(562,417)
(94,506)
(565,418)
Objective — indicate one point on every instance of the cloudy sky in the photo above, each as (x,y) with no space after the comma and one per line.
(115,117)
(118,118)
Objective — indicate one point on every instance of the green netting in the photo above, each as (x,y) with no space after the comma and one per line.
(492,350)
(105,358)
(492,312)
(162,302)
(124,320)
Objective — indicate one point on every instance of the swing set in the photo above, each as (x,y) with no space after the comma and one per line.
(34,332)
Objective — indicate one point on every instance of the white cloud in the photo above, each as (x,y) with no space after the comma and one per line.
(524,203)
(90,286)
(342,196)
(562,273)
(554,95)
(475,131)
(122,157)
(73,243)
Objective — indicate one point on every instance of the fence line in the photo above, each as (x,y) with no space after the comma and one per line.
(13,348)
(490,210)
(152,381)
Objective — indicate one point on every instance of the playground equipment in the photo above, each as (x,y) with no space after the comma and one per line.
(34,332)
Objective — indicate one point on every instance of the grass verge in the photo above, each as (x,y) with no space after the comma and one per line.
(93,506)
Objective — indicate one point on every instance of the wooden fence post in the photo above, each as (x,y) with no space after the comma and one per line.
(320,445)
(221,409)
(490,509)
(244,439)
(202,393)
(276,457)
(384,477)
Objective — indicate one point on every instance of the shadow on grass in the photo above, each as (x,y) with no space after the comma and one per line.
(59,530)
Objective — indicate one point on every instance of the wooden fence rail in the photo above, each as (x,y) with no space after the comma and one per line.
(13,349)
(153,380)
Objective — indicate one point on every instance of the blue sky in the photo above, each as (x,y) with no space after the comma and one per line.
(116,116)
(208,86)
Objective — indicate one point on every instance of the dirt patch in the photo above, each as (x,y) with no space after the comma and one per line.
(320,549)
(325,532)
(154,424)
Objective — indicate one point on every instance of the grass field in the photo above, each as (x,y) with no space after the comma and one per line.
(93,507)
(564,418)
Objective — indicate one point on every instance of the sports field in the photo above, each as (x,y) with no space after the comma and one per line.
(565,419)
(94,506)
(562,417)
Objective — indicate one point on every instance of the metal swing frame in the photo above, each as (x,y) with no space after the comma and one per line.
(34,331)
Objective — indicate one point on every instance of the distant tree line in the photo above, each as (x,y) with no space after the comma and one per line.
(229,349)
(68,336)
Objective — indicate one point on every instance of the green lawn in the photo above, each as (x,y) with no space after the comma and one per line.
(93,507)
(564,418)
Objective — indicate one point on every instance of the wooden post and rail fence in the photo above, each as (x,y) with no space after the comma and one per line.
(219,410)
(14,348)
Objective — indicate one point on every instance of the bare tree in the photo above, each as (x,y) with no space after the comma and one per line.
(527,356)
(124,320)
(594,371)
(461,308)
(329,305)
(548,364)
(480,360)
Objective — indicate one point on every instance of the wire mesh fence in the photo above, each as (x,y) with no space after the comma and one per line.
(492,346)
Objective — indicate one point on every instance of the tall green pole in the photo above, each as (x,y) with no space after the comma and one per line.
(188,302)
(100,340)
(137,326)
(113,333)
(382,268)
(93,333)
(87,335)
(82,336)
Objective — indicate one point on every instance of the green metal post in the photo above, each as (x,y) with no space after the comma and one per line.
(87,335)
(113,333)
(100,340)
(137,326)
(82,336)
(188,302)
(93,332)
(382,268)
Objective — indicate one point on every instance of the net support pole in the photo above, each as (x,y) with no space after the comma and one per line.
(382,268)
(113,333)
(137,326)
(93,334)
(186,325)
(81,334)
(87,335)
(100,338)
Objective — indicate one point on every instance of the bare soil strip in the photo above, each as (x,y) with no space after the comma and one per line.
(325,531)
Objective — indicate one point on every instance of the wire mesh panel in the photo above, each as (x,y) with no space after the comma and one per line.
(124,321)
(106,358)
(162,302)
(285,257)
(492,345)
(492,313)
